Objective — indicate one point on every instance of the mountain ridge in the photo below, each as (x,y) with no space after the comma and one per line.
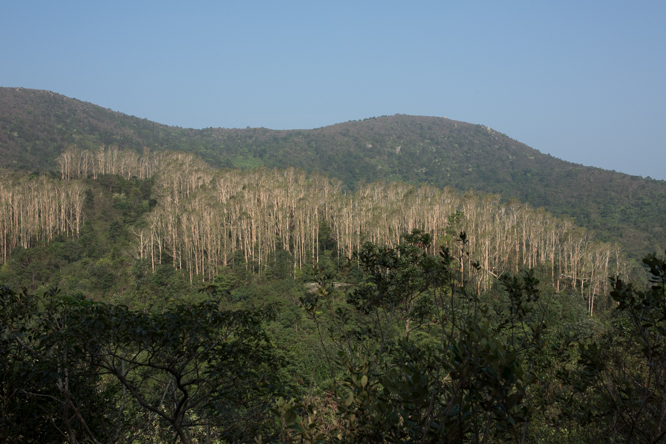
(36,125)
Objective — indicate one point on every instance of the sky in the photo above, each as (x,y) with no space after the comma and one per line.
(584,81)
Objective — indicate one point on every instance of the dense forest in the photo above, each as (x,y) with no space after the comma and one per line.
(237,291)
(37,126)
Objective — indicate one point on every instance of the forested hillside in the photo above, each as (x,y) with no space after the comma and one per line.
(164,299)
(203,220)
(36,126)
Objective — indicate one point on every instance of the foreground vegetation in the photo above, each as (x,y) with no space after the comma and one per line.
(411,353)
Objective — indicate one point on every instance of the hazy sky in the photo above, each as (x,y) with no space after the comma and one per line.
(582,80)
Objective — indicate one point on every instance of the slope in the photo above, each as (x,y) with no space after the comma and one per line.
(35,126)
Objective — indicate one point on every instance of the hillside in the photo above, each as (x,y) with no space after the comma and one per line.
(35,126)
(122,210)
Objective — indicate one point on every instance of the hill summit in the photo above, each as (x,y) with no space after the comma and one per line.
(35,126)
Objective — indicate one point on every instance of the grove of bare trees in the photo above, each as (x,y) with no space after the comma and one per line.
(34,210)
(205,217)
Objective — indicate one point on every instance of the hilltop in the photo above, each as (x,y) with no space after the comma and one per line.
(35,126)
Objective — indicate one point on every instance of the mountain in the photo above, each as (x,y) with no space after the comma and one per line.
(35,126)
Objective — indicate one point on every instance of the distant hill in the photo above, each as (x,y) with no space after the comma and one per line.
(36,125)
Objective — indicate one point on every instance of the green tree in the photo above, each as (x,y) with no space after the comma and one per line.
(465,377)
(615,384)
(79,370)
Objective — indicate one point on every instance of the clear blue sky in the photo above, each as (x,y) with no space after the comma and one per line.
(582,80)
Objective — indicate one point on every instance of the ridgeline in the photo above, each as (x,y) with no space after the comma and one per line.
(35,127)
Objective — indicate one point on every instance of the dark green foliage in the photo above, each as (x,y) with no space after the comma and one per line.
(419,358)
(616,385)
(82,371)
(396,345)
(49,388)
(489,375)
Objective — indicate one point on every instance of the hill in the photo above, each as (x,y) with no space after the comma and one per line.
(35,126)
